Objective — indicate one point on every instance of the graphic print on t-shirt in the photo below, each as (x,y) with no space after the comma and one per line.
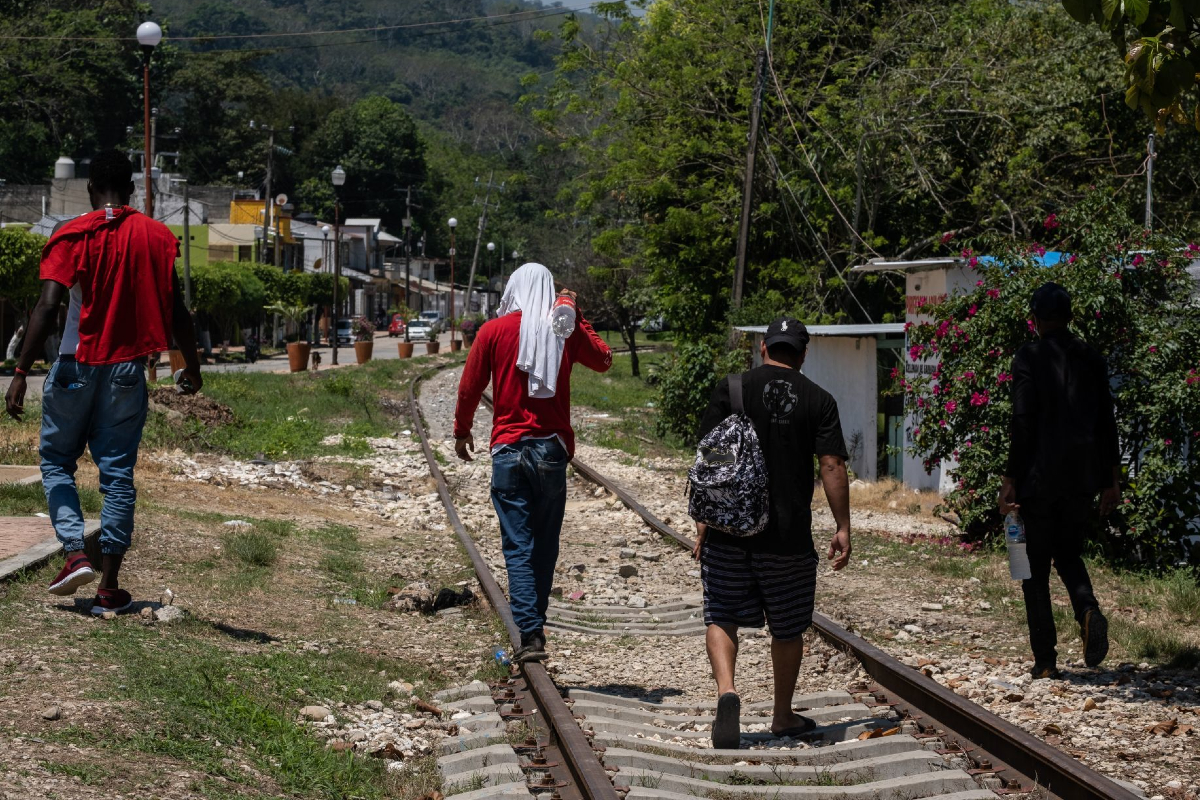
(779,397)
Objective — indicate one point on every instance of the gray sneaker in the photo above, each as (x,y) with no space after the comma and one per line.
(533,648)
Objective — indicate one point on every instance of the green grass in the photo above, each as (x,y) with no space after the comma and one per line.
(287,416)
(632,404)
(344,567)
(202,704)
(251,548)
(22,500)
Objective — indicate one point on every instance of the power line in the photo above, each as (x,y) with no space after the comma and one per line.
(528,13)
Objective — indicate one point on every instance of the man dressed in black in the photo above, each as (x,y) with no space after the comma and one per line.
(772,577)
(1063,451)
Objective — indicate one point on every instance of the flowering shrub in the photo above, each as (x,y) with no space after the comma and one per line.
(1135,303)
(363,329)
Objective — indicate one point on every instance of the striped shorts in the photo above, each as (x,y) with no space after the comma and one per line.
(741,587)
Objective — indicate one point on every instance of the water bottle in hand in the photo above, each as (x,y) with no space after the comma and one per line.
(182,384)
(1018,559)
(562,316)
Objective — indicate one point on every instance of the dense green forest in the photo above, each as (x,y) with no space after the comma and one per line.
(898,129)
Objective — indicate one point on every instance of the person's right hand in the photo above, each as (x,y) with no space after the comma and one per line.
(14,400)
(462,444)
(1008,498)
(701,530)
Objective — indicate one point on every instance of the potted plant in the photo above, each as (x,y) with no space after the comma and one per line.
(405,348)
(298,351)
(364,338)
(467,326)
(433,345)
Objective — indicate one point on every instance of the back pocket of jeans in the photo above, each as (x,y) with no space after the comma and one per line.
(126,380)
(506,471)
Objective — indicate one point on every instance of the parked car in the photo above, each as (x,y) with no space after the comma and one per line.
(396,326)
(432,317)
(345,332)
(418,330)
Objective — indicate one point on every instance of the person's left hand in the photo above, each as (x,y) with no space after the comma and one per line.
(701,530)
(14,400)
(839,549)
(462,445)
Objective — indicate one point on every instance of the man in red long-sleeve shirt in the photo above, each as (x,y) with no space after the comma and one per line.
(532,439)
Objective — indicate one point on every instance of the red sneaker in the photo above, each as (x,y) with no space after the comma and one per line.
(114,600)
(75,573)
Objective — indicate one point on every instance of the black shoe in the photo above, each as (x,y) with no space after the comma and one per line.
(727,727)
(1095,637)
(1045,669)
(533,648)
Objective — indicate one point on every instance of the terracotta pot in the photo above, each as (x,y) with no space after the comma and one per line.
(298,356)
(153,370)
(468,339)
(405,349)
(177,362)
(432,347)
(363,350)
(455,345)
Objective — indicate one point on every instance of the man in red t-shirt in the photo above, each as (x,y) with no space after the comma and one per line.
(118,268)
(532,441)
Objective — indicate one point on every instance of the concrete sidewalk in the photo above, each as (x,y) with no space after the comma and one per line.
(27,542)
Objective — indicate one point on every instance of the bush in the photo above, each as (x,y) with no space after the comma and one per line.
(687,381)
(1133,301)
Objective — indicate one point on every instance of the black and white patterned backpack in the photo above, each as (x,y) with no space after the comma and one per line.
(727,484)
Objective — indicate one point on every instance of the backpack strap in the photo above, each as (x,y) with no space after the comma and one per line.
(735,393)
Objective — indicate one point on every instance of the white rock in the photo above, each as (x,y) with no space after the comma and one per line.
(169,614)
(931,606)
(637,601)
(315,713)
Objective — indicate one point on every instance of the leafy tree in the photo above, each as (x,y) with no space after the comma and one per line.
(1134,302)
(1159,44)
(376,142)
(228,293)
(20,254)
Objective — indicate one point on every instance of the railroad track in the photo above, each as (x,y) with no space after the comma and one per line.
(899,734)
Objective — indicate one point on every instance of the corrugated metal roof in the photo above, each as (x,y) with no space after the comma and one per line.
(881,329)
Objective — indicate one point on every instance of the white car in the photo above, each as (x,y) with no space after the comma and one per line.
(418,330)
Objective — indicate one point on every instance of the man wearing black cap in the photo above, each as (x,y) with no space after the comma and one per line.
(773,575)
(1063,451)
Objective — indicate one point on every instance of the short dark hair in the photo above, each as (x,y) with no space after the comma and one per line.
(1051,303)
(784,353)
(111,171)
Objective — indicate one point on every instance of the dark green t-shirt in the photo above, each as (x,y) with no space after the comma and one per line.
(794,420)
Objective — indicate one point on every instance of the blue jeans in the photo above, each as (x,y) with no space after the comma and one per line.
(529,491)
(102,408)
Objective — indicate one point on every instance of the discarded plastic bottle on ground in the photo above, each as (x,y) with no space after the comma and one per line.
(502,657)
(562,316)
(182,384)
(345,601)
(1018,559)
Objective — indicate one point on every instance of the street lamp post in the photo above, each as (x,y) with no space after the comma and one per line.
(453,224)
(149,34)
(407,270)
(487,295)
(339,178)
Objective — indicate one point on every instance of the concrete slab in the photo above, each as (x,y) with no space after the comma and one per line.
(20,473)
(27,542)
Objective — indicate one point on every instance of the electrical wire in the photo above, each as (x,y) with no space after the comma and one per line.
(528,13)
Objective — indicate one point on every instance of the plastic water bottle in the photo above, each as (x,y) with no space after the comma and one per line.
(501,657)
(182,384)
(1014,535)
(562,316)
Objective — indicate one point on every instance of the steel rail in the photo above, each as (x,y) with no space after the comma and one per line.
(591,780)
(919,694)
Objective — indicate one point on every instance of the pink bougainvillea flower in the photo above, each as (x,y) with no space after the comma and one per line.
(1098,315)
(979,282)
(915,351)
(1071,258)
(951,406)
(993,293)
(968,375)
(1137,260)
(920,402)
(947,236)
(1003,377)
(942,423)
(985,428)
(1167,442)
(972,311)
(1029,324)
(1193,247)
(967,443)
(942,329)
(966,252)
(1051,222)
(979,398)
(1153,349)
(895,373)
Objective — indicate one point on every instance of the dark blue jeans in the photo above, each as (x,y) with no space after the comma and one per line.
(102,408)
(529,491)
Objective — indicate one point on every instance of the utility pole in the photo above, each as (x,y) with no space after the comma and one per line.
(1151,155)
(479,234)
(408,207)
(739,275)
(187,245)
(267,199)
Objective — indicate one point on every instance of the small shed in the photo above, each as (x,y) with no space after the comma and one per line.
(851,362)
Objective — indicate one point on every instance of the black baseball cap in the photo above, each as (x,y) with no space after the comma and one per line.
(1051,302)
(789,331)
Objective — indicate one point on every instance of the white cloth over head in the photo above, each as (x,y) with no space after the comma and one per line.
(530,290)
